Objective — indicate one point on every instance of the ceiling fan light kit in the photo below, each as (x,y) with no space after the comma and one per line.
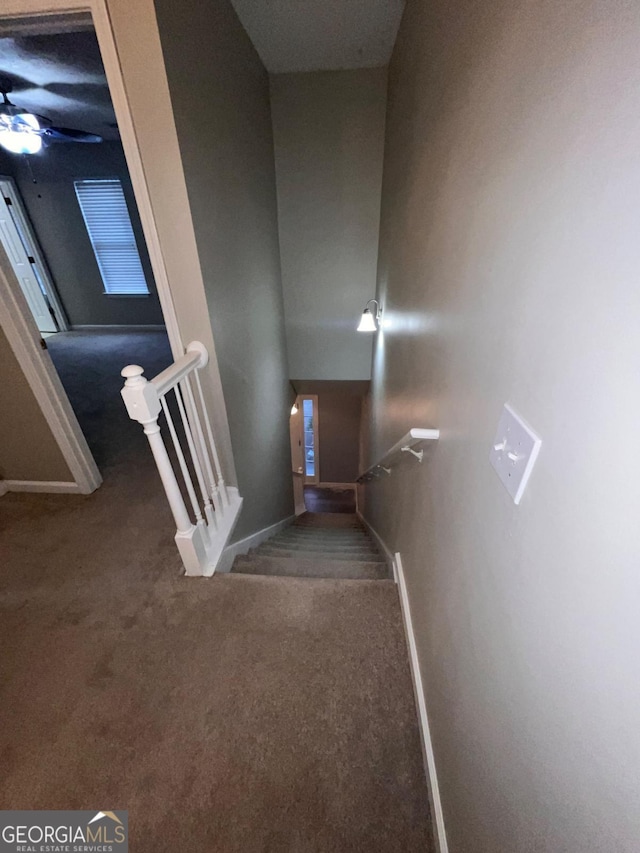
(22,132)
(19,133)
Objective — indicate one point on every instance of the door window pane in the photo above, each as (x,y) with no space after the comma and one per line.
(309,439)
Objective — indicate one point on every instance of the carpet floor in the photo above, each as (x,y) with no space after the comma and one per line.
(329,499)
(89,364)
(239,713)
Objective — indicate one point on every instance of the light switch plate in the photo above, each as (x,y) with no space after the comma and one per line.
(514,452)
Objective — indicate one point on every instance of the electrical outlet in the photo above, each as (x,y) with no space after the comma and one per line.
(514,452)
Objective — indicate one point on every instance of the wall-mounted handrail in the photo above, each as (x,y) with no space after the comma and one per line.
(202,530)
(407,444)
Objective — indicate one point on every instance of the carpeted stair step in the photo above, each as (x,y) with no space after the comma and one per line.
(271,551)
(305,568)
(354,550)
(329,519)
(330,544)
(319,545)
(325,533)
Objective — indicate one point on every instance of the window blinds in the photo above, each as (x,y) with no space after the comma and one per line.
(108,224)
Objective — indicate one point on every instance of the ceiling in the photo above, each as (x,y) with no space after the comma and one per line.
(60,76)
(314,35)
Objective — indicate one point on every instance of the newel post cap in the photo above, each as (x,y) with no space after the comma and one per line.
(140,396)
(132,373)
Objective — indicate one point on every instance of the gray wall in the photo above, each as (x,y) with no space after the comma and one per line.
(28,450)
(45,183)
(339,436)
(329,136)
(220,95)
(509,270)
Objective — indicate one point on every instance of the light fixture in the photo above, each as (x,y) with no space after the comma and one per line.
(369,321)
(295,407)
(19,132)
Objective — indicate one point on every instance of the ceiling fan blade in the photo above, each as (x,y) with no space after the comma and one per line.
(68,134)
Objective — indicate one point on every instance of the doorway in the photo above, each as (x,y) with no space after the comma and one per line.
(305,451)
(72,233)
(27,260)
(112,31)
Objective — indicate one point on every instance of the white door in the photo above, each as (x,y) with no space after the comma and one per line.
(24,270)
(297,457)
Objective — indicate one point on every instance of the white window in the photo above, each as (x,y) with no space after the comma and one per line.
(107,219)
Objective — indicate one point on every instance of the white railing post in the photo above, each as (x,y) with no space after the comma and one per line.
(143,405)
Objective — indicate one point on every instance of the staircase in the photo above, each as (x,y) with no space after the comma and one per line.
(317,545)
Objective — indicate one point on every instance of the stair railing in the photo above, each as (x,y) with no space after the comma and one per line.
(407,444)
(205,521)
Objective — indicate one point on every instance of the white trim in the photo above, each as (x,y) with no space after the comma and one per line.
(20,213)
(24,339)
(51,486)
(223,532)
(111,62)
(244,545)
(423,719)
(120,327)
(395,560)
(20,326)
(351,486)
(44,9)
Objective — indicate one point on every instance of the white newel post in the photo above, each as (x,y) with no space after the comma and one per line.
(143,405)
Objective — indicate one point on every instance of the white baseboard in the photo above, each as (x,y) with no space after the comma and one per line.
(51,486)
(122,327)
(244,545)
(395,560)
(418,689)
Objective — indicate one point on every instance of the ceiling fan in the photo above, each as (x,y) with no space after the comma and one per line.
(23,132)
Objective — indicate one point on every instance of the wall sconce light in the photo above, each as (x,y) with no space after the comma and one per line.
(294,408)
(369,321)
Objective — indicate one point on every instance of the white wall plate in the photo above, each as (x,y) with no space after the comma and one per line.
(514,452)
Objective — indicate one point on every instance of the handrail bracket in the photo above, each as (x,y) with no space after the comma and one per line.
(417,453)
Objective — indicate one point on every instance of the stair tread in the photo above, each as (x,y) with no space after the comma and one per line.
(323,546)
(318,555)
(346,569)
(330,520)
(322,533)
(317,545)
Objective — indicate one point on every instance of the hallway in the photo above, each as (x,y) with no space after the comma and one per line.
(89,364)
(240,713)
